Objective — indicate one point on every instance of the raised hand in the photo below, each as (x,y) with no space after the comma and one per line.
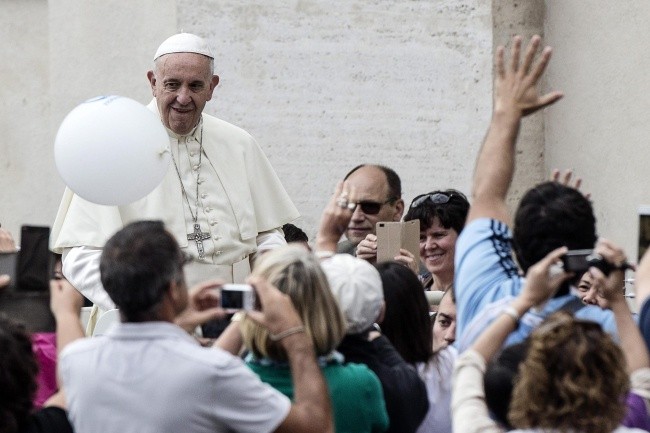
(516,83)
(566,180)
(203,306)
(278,313)
(541,281)
(611,286)
(407,259)
(64,298)
(367,248)
(336,217)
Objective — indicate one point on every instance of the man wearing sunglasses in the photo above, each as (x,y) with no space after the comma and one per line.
(379,192)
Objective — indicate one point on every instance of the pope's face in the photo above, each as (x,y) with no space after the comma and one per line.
(182,84)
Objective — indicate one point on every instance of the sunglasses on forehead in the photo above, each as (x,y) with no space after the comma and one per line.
(372,207)
(434,197)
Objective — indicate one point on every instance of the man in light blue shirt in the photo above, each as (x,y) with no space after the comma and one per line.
(549,215)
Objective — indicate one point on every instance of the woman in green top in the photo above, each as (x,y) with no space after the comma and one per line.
(357,398)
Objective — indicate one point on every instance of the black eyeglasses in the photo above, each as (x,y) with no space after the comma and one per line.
(372,207)
(435,197)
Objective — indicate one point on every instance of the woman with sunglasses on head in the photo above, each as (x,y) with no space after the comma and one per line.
(442,217)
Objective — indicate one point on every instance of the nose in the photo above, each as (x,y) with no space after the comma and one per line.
(183,96)
(429,243)
(358,214)
(450,334)
(590,297)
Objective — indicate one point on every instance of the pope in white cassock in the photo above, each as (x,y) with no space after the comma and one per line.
(220,198)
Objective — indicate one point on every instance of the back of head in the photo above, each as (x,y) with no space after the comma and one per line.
(549,216)
(499,380)
(449,206)
(356,284)
(138,265)
(297,273)
(18,370)
(406,322)
(573,378)
(392,179)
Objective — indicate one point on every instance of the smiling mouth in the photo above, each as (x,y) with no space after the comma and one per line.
(182,110)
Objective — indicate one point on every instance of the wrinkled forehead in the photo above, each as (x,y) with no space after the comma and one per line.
(182,64)
(370,183)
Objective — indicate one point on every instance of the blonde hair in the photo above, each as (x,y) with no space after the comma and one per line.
(573,379)
(297,273)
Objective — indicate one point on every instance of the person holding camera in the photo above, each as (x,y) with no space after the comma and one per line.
(574,376)
(549,216)
(148,374)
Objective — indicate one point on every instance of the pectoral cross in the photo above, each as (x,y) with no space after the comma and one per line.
(198,236)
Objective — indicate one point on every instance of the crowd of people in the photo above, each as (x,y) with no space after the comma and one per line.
(484,331)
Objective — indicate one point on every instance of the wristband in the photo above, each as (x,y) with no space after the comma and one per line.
(280,335)
(512,313)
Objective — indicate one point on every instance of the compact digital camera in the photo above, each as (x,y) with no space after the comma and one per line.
(237,297)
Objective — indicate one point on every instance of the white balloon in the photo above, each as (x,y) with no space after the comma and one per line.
(111,150)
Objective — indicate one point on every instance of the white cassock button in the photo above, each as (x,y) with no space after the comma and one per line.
(208,209)
(204,195)
(213,222)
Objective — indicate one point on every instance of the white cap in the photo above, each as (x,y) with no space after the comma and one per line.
(184,43)
(357,286)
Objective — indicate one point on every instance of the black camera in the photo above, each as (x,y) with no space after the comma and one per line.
(579,262)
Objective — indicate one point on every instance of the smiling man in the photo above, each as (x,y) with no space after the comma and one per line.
(379,192)
(220,199)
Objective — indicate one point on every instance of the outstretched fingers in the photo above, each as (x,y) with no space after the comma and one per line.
(515,53)
(539,68)
(529,56)
(501,69)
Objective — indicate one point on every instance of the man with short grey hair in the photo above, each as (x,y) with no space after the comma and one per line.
(220,198)
(146,374)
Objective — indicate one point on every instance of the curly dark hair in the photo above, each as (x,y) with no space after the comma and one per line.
(572,379)
(18,370)
(451,214)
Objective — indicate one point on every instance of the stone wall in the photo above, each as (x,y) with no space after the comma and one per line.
(323,86)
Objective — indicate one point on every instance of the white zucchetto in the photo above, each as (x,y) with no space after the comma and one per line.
(184,43)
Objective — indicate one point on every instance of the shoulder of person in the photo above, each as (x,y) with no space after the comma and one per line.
(213,124)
